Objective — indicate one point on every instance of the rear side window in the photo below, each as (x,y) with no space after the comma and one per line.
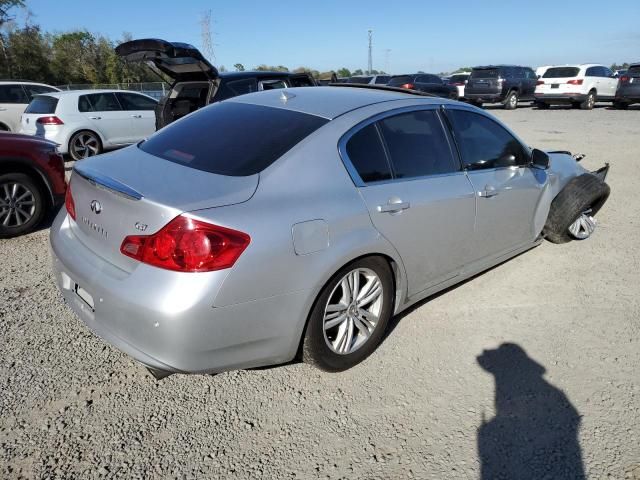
(367,155)
(98,102)
(382,79)
(458,79)
(485,73)
(417,145)
(561,72)
(400,80)
(236,87)
(429,79)
(42,104)
(230,138)
(131,101)
(13,94)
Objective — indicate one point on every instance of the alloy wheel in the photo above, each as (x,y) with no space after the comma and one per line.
(85,145)
(17,204)
(584,226)
(353,311)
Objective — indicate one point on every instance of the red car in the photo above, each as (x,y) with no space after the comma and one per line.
(32,182)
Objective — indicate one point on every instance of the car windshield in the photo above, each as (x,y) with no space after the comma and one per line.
(485,73)
(42,104)
(561,72)
(230,138)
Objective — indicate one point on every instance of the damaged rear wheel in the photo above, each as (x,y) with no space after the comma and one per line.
(572,212)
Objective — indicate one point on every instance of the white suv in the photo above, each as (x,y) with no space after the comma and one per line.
(85,122)
(14,98)
(578,85)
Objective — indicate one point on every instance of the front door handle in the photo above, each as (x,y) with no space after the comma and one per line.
(394,205)
(95,118)
(136,116)
(488,192)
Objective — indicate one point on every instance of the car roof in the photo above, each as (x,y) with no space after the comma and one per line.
(482,67)
(330,102)
(256,74)
(72,93)
(24,82)
(578,65)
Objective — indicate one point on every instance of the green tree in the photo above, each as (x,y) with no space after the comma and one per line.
(28,55)
(357,72)
(239,67)
(343,72)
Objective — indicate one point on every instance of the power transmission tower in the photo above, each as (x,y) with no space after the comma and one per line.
(207,44)
(370,64)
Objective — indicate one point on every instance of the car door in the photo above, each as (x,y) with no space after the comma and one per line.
(142,115)
(608,82)
(104,114)
(530,80)
(417,195)
(13,101)
(507,189)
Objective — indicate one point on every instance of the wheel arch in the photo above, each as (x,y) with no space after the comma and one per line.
(4,127)
(18,165)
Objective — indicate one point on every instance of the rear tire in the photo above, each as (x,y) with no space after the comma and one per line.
(589,102)
(582,195)
(511,102)
(345,327)
(22,204)
(84,144)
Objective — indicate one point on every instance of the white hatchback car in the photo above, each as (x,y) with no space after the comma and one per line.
(84,123)
(14,98)
(578,85)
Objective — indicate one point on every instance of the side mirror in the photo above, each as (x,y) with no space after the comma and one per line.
(539,159)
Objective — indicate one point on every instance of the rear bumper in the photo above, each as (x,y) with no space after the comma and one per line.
(560,98)
(628,94)
(166,320)
(484,97)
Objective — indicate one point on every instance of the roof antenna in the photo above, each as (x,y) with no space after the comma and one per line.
(285,96)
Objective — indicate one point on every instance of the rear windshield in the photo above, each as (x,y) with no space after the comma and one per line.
(561,72)
(485,73)
(458,78)
(634,71)
(230,138)
(360,79)
(400,80)
(42,104)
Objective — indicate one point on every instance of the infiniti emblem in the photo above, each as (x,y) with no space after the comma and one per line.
(96,207)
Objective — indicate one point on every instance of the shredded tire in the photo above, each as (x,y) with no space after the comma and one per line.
(582,193)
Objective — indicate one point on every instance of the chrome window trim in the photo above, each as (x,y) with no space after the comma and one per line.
(353,173)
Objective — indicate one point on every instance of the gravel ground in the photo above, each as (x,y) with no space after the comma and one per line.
(537,358)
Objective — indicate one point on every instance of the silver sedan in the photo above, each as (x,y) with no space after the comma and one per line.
(297,222)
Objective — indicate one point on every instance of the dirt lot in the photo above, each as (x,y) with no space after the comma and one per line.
(437,399)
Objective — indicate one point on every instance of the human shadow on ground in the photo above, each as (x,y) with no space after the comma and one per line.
(534,434)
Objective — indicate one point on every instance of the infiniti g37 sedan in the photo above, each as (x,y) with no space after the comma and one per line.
(297,222)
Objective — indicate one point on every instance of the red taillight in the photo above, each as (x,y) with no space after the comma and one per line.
(69,203)
(410,86)
(50,120)
(540,82)
(575,82)
(458,84)
(187,245)
(624,79)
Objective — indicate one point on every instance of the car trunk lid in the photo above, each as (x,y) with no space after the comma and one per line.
(131,192)
(180,61)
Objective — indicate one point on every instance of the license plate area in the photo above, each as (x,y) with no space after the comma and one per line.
(84,296)
(555,85)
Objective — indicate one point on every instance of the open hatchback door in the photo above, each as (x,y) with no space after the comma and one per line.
(180,61)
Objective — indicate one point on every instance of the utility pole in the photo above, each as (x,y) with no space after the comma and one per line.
(370,64)
(205,28)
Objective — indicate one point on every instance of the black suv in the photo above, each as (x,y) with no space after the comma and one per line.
(424,82)
(506,84)
(197,83)
(628,90)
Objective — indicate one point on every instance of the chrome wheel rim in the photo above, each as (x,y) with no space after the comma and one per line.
(513,101)
(17,204)
(85,145)
(584,226)
(353,311)
(591,101)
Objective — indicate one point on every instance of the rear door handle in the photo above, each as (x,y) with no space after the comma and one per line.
(136,116)
(95,118)
(488,192)
(393,206)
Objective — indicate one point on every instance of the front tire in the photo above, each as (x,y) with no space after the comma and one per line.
(572,211)
(22,205)
(84,144)
(589,102)
(350,315)
(511,102)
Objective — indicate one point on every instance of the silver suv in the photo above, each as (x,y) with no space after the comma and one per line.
(14,97)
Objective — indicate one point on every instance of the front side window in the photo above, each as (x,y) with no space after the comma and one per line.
(591,72)
(483,143)
(131,101)
(366,152)
(13,94)
(417,144)
(232,138)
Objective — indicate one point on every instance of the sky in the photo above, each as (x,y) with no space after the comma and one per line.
(431,36)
